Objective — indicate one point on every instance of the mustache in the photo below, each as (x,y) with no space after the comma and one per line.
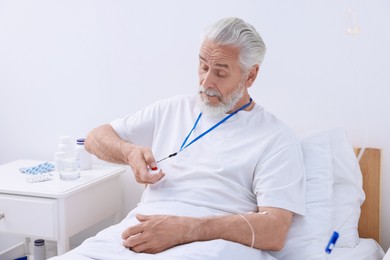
(209,92)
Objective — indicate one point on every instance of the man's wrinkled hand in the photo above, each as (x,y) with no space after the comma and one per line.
(157,233)
(141,159)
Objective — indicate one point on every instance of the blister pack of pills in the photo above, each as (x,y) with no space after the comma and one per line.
(38,173)
(40,177)
(40,168)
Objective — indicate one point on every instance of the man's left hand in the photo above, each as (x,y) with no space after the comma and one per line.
(157,233)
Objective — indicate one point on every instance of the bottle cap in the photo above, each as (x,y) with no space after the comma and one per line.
(39,242)
(80,141)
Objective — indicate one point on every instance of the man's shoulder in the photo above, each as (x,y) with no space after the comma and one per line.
(267,118)
(272,124)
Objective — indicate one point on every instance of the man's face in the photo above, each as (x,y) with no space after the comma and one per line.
(220,77)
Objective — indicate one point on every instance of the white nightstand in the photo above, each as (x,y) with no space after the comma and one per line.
(56,210)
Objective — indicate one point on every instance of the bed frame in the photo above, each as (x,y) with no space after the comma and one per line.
(370,165)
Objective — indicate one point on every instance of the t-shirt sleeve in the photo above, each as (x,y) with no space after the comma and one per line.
(137,128)
(279,179)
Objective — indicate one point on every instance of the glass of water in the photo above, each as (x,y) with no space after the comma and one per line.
(69,169)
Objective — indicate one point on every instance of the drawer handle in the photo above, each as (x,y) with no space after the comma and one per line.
(2,215)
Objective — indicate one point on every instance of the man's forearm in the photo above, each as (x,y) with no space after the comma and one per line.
(269,230)
(156,233)
(105,143)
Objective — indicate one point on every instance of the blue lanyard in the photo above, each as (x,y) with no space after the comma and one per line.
(184,146)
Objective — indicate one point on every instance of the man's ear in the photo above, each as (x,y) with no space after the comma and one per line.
(252,75)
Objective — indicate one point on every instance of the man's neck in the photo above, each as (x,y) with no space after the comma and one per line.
(244,100)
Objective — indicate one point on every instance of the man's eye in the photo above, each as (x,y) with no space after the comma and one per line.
(221,74)
(203,66)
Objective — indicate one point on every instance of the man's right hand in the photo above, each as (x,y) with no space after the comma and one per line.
(105,143)
(140,159)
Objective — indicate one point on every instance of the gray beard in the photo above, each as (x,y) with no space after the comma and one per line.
(226,104)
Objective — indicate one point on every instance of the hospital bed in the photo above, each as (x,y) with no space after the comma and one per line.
(342,195)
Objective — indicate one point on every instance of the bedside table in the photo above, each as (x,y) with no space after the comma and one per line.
(55,209)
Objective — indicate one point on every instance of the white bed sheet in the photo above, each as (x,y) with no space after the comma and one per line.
(367,249)
(108,243)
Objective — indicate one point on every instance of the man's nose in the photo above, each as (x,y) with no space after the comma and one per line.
(208,80)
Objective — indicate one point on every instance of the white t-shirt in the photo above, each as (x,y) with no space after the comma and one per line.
(250,160)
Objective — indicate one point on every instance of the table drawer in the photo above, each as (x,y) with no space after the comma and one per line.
(28,216)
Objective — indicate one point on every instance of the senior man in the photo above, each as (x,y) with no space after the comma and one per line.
(230,174)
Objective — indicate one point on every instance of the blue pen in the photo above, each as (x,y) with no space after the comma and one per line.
(332,242)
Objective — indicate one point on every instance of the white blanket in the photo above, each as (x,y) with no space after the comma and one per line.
(107,244)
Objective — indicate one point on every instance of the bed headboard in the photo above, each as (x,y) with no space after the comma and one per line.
(370,165)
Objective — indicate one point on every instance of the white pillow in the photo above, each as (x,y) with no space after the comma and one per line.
(309,234)
(348,191)
(348,188)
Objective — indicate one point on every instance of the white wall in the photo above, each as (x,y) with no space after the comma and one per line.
(68,66)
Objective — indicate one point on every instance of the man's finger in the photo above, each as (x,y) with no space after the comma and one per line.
(132,231)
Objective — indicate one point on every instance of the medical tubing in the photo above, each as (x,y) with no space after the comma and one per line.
(253,232)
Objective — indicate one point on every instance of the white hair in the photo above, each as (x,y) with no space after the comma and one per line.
(236,32)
